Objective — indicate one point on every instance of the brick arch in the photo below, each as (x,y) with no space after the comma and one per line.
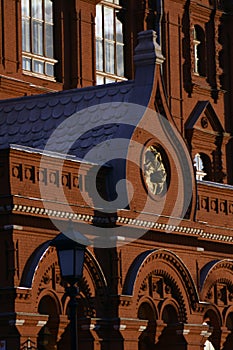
(228,312)
(46,275)
(217,272)
(150,302)
(172,303)
(42,275)
(212,309)
(169,266)
(51,294)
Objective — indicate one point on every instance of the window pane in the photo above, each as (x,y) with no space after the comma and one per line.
(108,23)
(49,69)
(120,60)
(25,8)
(99,80)
(26,35)
(26,63)
(49,40)
(66,262)
(37,9)
(109,80)
(99,29)
(119,31)
(48,11)
(109,57)
(37,35)
(99,55)
(38,66)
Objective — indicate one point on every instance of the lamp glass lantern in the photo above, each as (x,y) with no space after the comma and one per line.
(71,258)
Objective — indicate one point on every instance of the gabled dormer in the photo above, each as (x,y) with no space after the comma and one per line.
(207,140)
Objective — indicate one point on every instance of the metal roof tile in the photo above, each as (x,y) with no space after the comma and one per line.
(42,103)
(77,97)
(45,113)
(34,114)
(101,93)
(12,118)
(27,137)
(57,111)
(25,128)
(37,127)
(19,107)
(30,105)
(89,96)
(13,130)
(113,92)
(48,125)
(2,119)
(69,109)
(36,117)
(8,108)
(53,101)
(65,100)
(22,116)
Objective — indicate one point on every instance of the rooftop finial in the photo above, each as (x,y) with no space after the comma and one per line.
(148,51)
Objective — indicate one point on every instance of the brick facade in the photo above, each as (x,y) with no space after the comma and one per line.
(171,285)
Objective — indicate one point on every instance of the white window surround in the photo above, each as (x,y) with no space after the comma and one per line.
(196,58)
(208,345)
(198,164)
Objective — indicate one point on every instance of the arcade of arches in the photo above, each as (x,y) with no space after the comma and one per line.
(160,305)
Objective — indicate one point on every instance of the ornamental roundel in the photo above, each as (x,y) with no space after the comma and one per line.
(154,170)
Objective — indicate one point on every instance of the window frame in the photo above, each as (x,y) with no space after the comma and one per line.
(104,75)
(30,55)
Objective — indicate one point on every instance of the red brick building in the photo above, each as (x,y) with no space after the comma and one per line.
(158,272)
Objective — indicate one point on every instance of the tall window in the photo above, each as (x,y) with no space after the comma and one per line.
(109,43)
(37,37)
(199,51)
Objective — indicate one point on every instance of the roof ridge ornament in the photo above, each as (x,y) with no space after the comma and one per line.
(148,60)
(148,51)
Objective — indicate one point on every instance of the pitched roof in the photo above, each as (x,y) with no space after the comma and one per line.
(30,121)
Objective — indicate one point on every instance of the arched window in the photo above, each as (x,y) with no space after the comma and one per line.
(169,315)
(37,37)
(202,163)
(147,338)
(229,340)
(199,51)
(109,43)
(47,337)
(213,342)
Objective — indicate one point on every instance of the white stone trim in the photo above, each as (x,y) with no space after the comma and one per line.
(121,220)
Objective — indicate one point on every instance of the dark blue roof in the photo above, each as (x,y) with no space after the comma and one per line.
(30,121)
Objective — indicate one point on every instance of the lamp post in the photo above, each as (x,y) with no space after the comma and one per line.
(71,260)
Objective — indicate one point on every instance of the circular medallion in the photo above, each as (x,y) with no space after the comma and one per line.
(154,171)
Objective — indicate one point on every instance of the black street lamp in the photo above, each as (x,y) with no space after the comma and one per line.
(71,260)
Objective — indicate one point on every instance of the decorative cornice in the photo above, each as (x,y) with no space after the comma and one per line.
(93,219)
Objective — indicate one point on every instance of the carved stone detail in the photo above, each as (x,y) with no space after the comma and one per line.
(154,171)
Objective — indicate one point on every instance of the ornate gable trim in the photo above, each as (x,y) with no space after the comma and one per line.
(205,118)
